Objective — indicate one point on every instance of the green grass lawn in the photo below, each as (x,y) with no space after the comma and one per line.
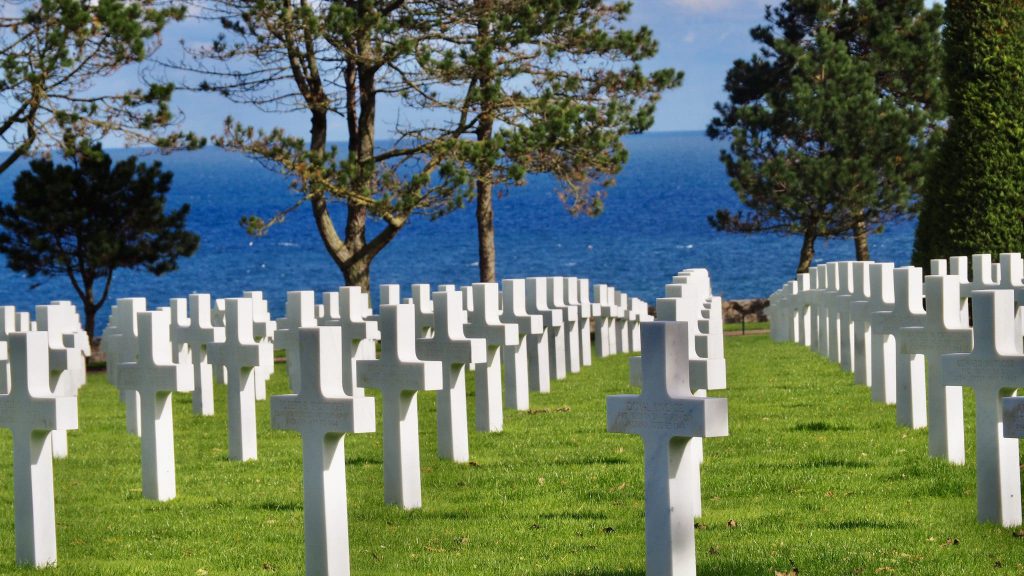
(813,476)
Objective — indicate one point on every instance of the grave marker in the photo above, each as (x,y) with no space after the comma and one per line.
(31,411)
(667,416)
(240,355)
(154,377)
(399,375)
(994,369)
(907,311)
(942,332)
(322,413)
(571,314)
(484,323)
(199,334)
(454,351)
(125,345)
(515,358)
(541,364)
(358,335)
(300,312)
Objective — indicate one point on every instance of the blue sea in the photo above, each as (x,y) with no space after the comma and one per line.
(653,225)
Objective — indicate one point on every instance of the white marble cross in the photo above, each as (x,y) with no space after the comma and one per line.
(359,334)
(323,413)
(607,310)
(861,324)
(424,309)
(64,363)
(538,348)
(587,330)
(881,347)
(125,347)
(842,328)
(198,334)
(454,351)
(667,416)
(516,357)
(943,332)
(399,375)
(484,323)
(819,316)
(555,323)
(571,314)
(263,328)
(240,355)
(906,311)
(390,294)
(31,411)
(994,369)
(300,312)
(154,377)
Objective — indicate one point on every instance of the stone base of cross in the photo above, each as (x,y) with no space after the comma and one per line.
(667,415)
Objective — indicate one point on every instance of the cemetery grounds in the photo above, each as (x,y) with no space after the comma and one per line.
(814,478)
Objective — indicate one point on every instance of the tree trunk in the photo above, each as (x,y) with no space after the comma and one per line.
(89,311)
(485,230)
(860,240)
(807,251)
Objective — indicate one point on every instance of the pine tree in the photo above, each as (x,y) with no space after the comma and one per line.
(975,198)
(830,125)
(56,57)
(86,219)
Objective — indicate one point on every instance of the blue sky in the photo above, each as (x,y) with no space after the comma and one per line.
(700,37)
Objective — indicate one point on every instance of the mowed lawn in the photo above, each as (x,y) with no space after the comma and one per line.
(814,477)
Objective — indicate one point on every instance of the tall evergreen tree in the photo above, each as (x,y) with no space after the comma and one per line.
(550,87)
(831,124)
(974,202)
(56,57)
(86,219)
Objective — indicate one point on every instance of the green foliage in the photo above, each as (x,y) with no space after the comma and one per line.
(87,219)
(975,199)
(813,473)
(56,55)
(830,125)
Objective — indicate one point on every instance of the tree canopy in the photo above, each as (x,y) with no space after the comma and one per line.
(831,124)
(974,202)
(86,219)
(56,56)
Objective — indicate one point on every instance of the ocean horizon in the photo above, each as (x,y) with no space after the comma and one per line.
(654,224)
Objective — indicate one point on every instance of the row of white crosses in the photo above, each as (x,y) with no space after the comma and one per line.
(673,414)
(42,366)
(426,345)
(910,339)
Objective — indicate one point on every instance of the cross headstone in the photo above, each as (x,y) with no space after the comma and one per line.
(323,413)
(359,333)
(390,294)
(907,311)
(842,328)
(31,411)
(539,350)
(484,323)
(623,321)
(198,334)
(515,358)
(994,369)
(421,299)
(555,323)
(607,335)
(154,377)
(399,375)
(571,332)
(125,344)
(943,332)
(861,324)
(666,415)
(263,328)
(300,312)
(240,355)
(820,317)
(882,346)
(587,330)
(454,351)
(51,320)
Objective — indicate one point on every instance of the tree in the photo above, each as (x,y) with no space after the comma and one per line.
(548,87)
(832,123)
(974,201)
(89,218)
(56,55)
(337,60)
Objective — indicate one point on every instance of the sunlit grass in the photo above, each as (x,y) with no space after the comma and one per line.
(814,476)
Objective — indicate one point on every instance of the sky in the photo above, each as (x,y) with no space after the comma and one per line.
(700,37)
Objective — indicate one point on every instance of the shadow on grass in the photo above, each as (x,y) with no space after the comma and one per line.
(278,506)
(715,567)
(826,462)
(574,516)
(818,427)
